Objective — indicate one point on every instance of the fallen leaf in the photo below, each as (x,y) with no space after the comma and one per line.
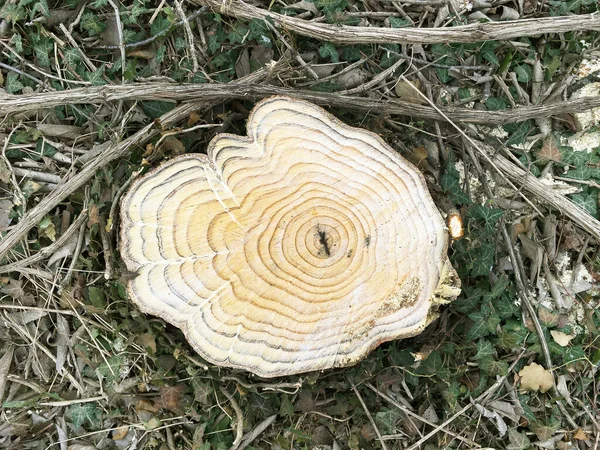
(61,131)
(147,341)
(170,396)
(580,435)
(408,91)
(5,363)
(500,424)
(561,338)
(535,378)
(120,433)
(172,146)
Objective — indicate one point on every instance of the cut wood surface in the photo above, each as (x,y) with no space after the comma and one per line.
(300,247)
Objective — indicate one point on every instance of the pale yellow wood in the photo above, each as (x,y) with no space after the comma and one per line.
(300,247)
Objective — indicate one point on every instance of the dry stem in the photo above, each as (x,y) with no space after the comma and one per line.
(13,104)
(475,32)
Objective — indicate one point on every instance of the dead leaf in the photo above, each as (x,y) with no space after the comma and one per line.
(62,343)
(408,91)
(561,338)
(147,341)
(94,217)
(550,150)
(561,387)
(500,424)
(5,363)
(580,435)
(535,378)
(172,146)
(5,208)
(170,396)
(5,172)
(60,131)
(548,318)
(120,433)
(193,119)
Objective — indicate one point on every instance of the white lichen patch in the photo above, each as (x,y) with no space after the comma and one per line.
(584,141)
(591,117)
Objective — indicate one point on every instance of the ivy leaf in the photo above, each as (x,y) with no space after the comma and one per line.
(154,109)
(587,202)
(485,349)
(81,413)
(160,25)
(493,367)
(483,260)
(328,50)
(12,84)
(518,441)
(239,32)
(489,216)
(286,409)
(91,23)
(387,419)
(397,22)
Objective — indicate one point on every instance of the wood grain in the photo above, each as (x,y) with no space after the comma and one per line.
(300,247)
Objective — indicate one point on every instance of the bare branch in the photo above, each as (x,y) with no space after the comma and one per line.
(14,104)
(475,32)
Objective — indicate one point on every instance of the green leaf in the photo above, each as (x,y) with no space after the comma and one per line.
(483,260)
(91,23)
(518,441)
(397,22)
(524,73)
(238,34)
(12,13)
(17,42)
(496,103)
(387,419)
(587,202)
(96,77)
(489,216)
(12,85)
(96,295)
(328,50)
(492,366)
(160,25)
(330,6)
(479,328)
(485,349)
(154,109)
(81,413)
(488,51)
(286,409)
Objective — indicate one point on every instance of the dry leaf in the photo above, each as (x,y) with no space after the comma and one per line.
(500,424)
(60,131)
(580,435)
(409,91)
(172,146)
(550,150)
(147,341)
(120,433)
(170,396)
(561,338)
(5,362)
(535,378)
(548,318)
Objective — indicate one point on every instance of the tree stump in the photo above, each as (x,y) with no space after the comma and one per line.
(298,248)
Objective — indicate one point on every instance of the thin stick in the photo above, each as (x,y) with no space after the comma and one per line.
(416,416)
(373,424)
(479,399)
